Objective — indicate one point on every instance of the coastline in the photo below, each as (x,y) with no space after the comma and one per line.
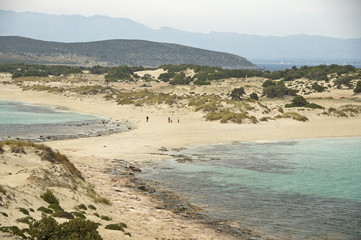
(144,145)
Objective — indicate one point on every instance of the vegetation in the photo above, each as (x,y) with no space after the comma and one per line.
(75,229)
(318,73)
(47,154)
(237,93)
(300,101)
(23,210)
(317,87)
(358,87)
(272,89)
(45,210)
(294,116)
(49,197)
(13,230)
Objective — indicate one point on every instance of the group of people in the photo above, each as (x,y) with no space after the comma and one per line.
(169,119)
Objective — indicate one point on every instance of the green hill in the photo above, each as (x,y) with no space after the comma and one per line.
(113,52)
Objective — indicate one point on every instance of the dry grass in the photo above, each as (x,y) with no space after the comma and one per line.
(293,115)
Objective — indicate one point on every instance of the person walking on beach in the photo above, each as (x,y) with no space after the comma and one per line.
(168,119)
(147,118)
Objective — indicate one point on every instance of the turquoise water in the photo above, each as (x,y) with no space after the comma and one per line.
(21,113)
(19,120)
(302,189)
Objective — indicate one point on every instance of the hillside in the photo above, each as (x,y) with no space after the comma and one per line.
(114,52)
(300,49)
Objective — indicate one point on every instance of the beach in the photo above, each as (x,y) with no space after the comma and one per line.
(146,144)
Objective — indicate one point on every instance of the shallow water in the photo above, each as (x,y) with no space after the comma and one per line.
(302,189)
(30,122)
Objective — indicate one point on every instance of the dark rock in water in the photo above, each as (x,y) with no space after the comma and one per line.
(163,149)
(135,169)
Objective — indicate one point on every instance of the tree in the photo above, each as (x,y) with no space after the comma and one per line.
(237,93)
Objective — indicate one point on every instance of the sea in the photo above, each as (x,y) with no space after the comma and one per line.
(289,189)
(21,120)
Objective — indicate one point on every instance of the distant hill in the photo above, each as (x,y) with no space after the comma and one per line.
(114,52)
(74,28)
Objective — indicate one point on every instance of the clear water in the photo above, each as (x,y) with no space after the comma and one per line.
(304,189)
(22,113)
(19,120)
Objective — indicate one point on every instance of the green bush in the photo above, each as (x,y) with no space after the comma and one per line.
(14,230)
(106,218)
(254,96)
(45,210)
(358,87)
(23,210)
(237,93)
(318,87)
(300,101)
(82,206)
(56,207)
(4,214)
(26,220)
(79,215)
(92,207)
(76,229)
(61,214)
(278,91)
(49,197)
(116,226)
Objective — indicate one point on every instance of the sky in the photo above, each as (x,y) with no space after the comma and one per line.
(332,18)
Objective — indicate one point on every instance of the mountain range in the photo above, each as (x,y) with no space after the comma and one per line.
(75,28)
(113,52)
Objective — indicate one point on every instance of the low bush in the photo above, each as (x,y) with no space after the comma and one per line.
(56,207)
(49,197)
(82,206)
(4,214)
(106,218)
(45,210)
(23,210)
(300,101)
(79,215)
(26,220)
(66,215)
(357,89)
(14,230)
(294,116)
(76,229)
(92,207)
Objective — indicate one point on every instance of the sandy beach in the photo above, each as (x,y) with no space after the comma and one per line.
(145,144)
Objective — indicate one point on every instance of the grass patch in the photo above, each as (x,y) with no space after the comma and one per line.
(2,190)
(226,116)
(294,116)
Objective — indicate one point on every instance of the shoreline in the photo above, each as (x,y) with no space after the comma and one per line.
(144,145)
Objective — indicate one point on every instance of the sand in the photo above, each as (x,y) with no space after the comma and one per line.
(144,144)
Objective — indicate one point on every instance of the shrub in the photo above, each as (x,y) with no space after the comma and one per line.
(45,210)
(358,87)
(237,93)
(26,220)
(115,226)
(49,197)
(79,215)
(56,207)
(82,206)
(106,218)
(317,87)
(300,101)
(62,214)
(92,207)
(295,116)
(279,90)
(76,229)
(14,230)
(2,190)
(23,210)
(254,96)
(4,214)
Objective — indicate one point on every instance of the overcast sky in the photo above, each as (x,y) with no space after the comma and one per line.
(334,18)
